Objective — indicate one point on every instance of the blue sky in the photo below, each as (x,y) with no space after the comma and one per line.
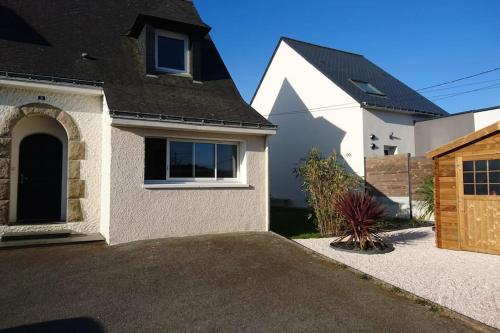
(420,42)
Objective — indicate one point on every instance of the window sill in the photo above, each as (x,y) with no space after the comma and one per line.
(195,185)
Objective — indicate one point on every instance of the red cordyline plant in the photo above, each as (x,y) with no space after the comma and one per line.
(360,212)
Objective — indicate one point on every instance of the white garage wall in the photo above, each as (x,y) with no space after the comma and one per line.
(485,118)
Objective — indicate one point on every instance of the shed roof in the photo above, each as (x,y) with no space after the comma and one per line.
(465,140)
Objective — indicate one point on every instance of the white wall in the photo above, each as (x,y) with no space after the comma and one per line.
(86,110)
(294,86)
(485,118)
(431,134)
(138,213)
(382,124)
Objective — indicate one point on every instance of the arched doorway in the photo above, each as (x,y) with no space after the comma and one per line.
(40,179)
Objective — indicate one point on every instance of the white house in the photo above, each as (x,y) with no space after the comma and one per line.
(333,100)
(122,119)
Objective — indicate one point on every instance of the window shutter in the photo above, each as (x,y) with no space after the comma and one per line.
(196,58)
(150,50)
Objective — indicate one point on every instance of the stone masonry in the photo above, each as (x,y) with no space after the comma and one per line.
(76,153)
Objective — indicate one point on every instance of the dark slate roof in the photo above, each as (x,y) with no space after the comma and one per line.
(341,67)
(48,37)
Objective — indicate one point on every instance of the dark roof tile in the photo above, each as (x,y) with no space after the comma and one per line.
(341,67)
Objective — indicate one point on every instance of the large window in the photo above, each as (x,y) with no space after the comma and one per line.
(481,177)
(172,53)
(183,160)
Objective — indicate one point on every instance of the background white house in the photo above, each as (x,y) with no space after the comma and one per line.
(333,100)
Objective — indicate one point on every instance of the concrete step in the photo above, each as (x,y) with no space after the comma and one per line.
(72,238)
(17,236)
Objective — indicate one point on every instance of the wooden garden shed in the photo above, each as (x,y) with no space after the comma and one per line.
(467,192)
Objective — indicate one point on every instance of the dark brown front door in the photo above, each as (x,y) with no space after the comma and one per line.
(40,179)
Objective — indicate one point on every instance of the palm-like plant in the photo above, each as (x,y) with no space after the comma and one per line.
(426,193)
(360,211)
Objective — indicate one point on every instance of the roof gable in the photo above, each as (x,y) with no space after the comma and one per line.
(465,140)
(345,68)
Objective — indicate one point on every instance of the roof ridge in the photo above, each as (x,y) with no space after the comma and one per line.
(321,46)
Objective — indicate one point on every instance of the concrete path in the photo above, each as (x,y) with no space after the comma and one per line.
(251,282)
(466,282)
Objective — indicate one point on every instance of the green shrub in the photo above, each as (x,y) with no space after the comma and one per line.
(325,179)
(426,192)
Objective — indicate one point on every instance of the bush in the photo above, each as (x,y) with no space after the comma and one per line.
(426,192)
(325,179)
(361,212)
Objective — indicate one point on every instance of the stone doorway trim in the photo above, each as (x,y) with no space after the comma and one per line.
(76,153)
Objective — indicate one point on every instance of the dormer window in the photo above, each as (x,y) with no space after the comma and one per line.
(172,52)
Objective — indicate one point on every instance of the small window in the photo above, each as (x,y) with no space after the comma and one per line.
(481,177)
(190,160)
(390,150)
(367,88)
(172,53)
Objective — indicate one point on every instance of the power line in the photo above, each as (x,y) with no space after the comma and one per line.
(460,79)
(355,105)
(400,97)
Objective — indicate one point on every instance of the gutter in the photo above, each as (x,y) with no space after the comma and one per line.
(402,110)
(51,83)
(152,120)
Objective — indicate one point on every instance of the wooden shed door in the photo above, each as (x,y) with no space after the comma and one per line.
(478,187)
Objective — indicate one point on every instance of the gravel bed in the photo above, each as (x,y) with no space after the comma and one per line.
(466,282)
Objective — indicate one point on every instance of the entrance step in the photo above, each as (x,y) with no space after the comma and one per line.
(18,236)
(60,237)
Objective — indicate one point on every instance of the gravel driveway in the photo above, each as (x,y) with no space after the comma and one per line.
(466,282)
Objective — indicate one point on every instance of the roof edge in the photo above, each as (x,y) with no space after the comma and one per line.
(462,141)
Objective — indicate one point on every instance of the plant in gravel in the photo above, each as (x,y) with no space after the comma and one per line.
(325,179)
(426,192)
(365,277)
(360,211)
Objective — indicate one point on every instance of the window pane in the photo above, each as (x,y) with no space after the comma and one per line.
(468,166)
(204,160)
(155,159)
(227,161)
(494,189)
(494,165)
(181,159)
(481,177)
(481,189)
(171,53)
(480,165)
(494,177)
(469,189)
(468,177)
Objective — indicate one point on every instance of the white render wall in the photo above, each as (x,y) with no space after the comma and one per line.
(431,134)
(311,111)
(382,124)
(138,213)
(485,118)
(86,110)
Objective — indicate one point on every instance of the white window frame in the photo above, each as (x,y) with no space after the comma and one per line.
(239,181)
(169,34)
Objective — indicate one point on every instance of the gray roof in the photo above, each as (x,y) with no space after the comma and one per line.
(341,67)
(47,38)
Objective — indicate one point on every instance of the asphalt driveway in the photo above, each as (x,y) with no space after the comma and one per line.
(250,282)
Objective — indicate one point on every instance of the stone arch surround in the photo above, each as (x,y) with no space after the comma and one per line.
(76,153)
